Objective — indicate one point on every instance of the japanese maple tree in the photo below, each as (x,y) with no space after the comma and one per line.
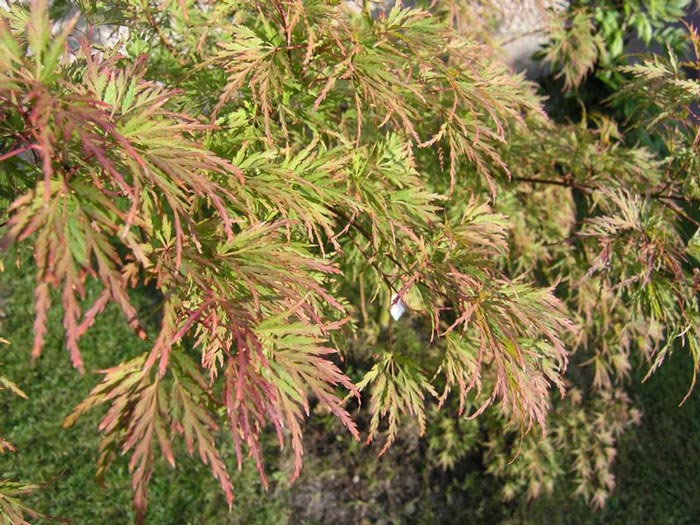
(278,175)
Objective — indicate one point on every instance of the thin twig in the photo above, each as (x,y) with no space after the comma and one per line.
(164,39)
(657,195)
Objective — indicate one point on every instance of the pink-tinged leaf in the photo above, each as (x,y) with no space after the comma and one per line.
(163,344)
(198,425)
(97,307)
(6,446)
(71,318)
(15,152)
(42,304)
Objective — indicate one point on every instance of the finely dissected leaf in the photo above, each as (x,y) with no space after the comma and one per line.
(144,411)
(130,423)
(397,388)
(296,171)
(297,361)
(196,422)
(76,219)
(12,510)
(575,48)
(6,384)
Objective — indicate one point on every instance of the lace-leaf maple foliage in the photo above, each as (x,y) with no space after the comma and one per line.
(278,174)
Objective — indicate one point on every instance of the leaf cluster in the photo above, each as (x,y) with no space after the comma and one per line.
(280,174)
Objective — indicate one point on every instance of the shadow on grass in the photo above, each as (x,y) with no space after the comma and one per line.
(658,465)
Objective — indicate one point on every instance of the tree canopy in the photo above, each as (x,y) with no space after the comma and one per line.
(329,209)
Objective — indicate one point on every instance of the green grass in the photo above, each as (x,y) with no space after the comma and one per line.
(658,464)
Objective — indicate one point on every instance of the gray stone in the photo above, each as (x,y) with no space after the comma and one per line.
(523,29)
(104,35)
